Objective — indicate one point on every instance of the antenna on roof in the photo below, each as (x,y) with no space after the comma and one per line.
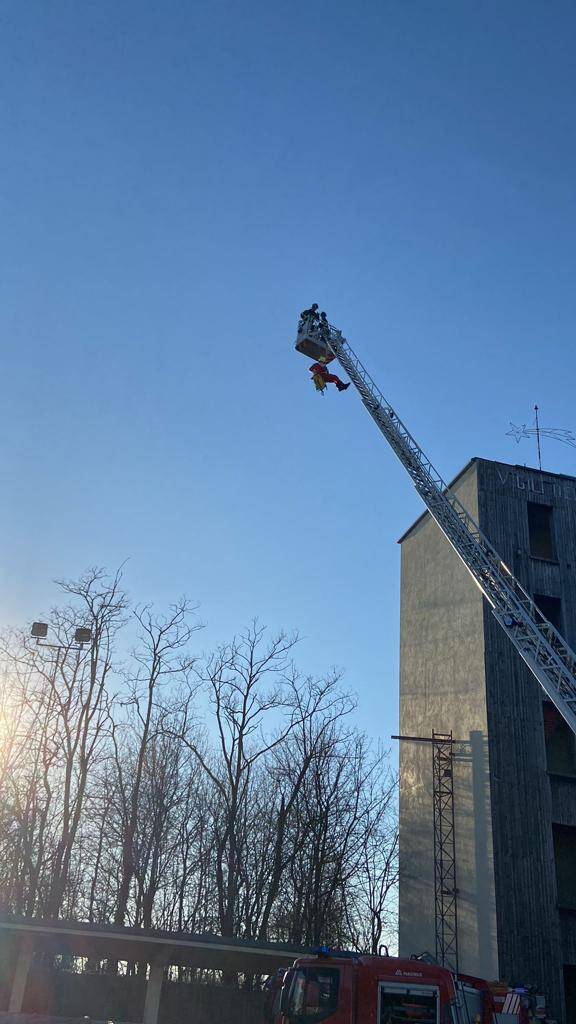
(538,438)
(556,433)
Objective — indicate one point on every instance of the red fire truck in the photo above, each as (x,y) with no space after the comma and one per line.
(349,988)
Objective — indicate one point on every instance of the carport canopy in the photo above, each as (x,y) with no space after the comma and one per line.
(160,949)
(183,949)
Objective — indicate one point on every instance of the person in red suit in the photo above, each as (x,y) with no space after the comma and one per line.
(320,370)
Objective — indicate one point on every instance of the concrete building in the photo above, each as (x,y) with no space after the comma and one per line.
(515,766)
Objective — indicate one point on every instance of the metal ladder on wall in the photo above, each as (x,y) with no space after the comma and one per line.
(541,646)
(445,891)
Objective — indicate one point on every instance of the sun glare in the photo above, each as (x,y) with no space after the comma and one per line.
(7,719)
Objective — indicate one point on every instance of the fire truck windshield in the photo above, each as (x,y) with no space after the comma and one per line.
(313,993)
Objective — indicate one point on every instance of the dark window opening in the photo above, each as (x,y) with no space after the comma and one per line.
(565,859)
(570,991)
(540,531)
(560,742)
(551,608)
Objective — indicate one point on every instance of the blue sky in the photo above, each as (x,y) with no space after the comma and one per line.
(178,179)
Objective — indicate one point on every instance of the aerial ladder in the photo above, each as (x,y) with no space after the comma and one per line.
(537,641)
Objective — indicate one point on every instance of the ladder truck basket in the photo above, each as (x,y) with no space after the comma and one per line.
(311,342)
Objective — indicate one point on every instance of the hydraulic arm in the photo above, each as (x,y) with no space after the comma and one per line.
(541,646)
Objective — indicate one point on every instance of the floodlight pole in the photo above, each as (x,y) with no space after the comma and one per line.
(82,636)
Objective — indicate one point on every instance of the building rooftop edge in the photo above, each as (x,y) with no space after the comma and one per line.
(493,462)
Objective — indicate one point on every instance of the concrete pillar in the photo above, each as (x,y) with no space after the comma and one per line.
(24,959)
(153,993)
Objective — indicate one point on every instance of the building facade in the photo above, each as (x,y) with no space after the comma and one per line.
(515,758)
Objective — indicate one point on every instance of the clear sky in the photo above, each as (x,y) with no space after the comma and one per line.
(178,179)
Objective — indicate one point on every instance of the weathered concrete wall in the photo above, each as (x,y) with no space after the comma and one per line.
(442,688)
(524,803)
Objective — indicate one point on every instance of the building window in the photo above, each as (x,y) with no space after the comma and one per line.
(570,991)
(551,608)
(565,858)
(560,742)
(540,531)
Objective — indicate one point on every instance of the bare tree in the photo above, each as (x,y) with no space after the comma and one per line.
(331,838)
(78,689)
(320,706)
(371,908)
(272,819)
(248,682)
(26,754)
(160,657)
(64,705)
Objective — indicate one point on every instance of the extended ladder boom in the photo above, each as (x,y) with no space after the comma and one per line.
(541,646)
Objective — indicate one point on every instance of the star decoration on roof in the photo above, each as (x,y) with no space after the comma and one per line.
(557,433)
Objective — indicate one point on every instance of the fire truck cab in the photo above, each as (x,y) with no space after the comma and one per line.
(349,988)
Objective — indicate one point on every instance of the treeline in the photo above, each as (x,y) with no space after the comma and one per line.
(224,793)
